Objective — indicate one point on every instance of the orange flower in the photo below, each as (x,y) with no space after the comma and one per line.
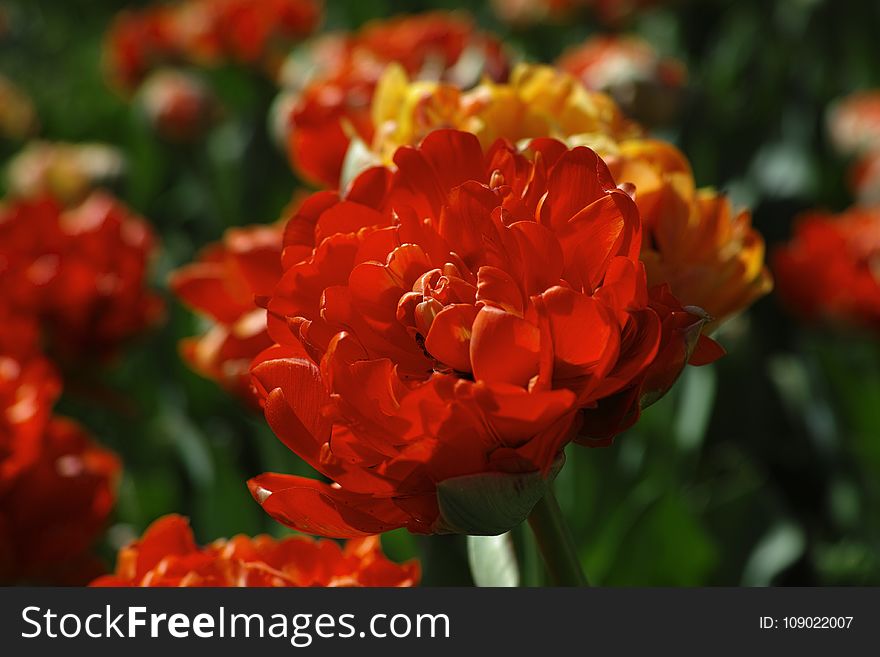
(223,284)
(829,271)
(57,487)
(167,555)
(81,272)
(647,85)
(469,313)
(206,32)
(709,255)
(334,105)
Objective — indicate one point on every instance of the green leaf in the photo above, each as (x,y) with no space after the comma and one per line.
(493,560)
(778,550)
(655,537)
(695,408)
(490,503)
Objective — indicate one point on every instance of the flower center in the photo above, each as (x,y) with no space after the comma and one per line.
(442,293)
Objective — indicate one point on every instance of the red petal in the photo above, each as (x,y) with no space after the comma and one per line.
(202,287)
(316,508)
(585,334)
(706,351)
(504,348)
(578,179)
(296,399)
(496,287)
(347,217)
(448,340)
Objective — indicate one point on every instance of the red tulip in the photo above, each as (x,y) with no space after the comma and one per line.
(79,272)
(167,555)
(29,387)
(205,32)
(334,105)
(57,487)
(139,41)
(223,284)
(828,272)
(465,316)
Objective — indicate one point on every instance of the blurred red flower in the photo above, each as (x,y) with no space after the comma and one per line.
(81,272)
(863,178)
(467,313)
(178,105)
(854,130)
(205,32)
(167,555)
(222,284)
(137,42)
(333,92)
(828,272)
(647,85)
(854,123)
(246,31)
(28,389)
(616,11)
(57,487)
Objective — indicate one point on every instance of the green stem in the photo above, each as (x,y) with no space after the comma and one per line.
(555,542)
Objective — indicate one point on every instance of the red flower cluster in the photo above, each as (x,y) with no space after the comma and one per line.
(167,555)
(205,32)
(78,272)
(467,313)
(829,271)
(57,487)
(223,284)
(334,91)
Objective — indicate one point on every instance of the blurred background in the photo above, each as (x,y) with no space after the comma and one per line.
(762,469)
